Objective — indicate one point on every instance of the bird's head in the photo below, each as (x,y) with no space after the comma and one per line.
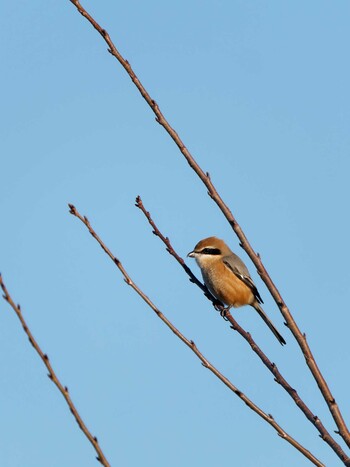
(209,250)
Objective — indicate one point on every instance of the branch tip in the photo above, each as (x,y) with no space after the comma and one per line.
(72,209)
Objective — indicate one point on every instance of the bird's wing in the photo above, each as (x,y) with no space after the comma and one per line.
(236,265)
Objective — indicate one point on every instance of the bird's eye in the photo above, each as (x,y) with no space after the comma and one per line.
(211,251)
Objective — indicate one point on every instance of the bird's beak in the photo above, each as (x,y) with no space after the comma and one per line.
(191,254)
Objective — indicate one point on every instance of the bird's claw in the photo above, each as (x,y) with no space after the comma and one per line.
(223,313)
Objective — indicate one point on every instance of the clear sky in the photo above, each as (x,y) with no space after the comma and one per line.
(259,92)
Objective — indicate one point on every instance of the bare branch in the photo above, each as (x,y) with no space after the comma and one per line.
(205,178)
(169,248)
(324,434)
(53,377)
(205,362)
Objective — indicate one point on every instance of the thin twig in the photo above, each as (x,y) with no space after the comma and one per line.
(205,362)
(324,434)
(53,377)
(244,243)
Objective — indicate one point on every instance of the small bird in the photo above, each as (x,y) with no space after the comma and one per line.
(228,278)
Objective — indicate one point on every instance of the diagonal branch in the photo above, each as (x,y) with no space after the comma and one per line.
(324,434)
(52,375)
(205,178)
(267,417)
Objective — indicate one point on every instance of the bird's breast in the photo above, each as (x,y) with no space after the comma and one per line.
(226,286)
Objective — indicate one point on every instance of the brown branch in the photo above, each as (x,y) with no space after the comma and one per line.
(204,176)
(53,377)
(324,434)
(267,417)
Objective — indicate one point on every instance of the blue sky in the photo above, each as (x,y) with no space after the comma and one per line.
(259,92)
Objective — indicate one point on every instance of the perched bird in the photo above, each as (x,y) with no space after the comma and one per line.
(228,278)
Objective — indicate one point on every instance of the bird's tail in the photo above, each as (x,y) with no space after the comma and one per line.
(269,323)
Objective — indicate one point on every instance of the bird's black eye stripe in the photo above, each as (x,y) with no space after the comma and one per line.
(210,251)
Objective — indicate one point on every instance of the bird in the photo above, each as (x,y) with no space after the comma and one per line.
(228,278)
